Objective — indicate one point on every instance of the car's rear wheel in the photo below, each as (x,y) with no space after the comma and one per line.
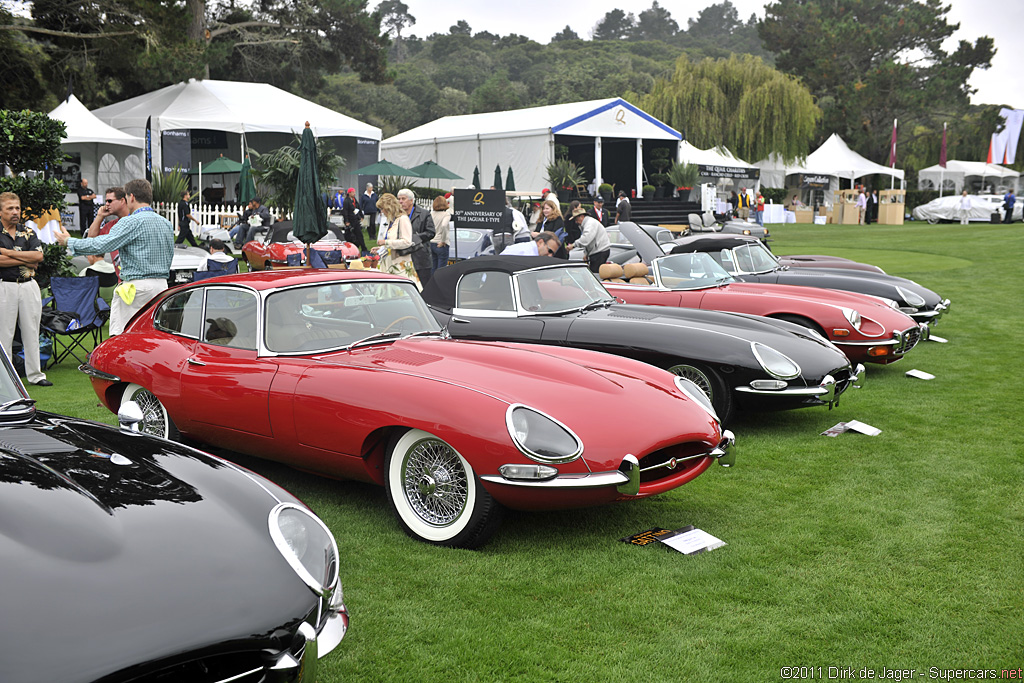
(155,419)
(711,384)
(435,494)
(932,220)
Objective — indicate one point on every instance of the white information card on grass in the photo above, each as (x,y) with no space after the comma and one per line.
(690,541)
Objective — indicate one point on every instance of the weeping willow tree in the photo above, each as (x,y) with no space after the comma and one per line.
(739,102)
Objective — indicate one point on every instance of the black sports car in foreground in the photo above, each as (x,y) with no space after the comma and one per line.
(127,557)
(748,260)
(738,360)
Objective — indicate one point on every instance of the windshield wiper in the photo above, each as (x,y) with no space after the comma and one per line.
(375,339)
(600,303)
(723,280)
(424,333)
(17,401)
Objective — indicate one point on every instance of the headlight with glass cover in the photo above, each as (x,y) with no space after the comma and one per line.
(853,317)
(774,362)
(540,437)
(913,299)
(307,545)
(694,393)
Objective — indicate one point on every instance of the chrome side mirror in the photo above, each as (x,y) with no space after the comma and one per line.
(129,415)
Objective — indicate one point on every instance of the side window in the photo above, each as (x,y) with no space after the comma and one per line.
(230,318)
(181,314)
(490,291)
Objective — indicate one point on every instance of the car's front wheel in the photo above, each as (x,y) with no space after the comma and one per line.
(155,419)
(435,494)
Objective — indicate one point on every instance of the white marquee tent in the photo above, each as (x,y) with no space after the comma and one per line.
(953,177)
(266,115)
(105,156)
(833,159)
(525,138)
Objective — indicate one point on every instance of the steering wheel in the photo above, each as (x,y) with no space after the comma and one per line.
(398,320)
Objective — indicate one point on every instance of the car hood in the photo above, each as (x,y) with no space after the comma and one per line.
(115,532)
(712,336)
(876,284)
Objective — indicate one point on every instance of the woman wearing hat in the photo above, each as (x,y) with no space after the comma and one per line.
(354,221)
(593,239)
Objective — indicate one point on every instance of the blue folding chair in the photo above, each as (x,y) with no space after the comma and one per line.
(220,268)
(75,313)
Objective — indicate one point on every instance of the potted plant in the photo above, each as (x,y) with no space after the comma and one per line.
(660,182)
(564,176)
(649,192)
(684,176)
(606,191)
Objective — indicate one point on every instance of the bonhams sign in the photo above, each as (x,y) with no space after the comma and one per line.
(729,172)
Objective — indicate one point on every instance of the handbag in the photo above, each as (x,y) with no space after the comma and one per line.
(407,251)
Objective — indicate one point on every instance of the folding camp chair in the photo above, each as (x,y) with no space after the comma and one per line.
(230,267)
(72,315)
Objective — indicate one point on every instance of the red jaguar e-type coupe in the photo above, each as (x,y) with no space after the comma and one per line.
(348,374)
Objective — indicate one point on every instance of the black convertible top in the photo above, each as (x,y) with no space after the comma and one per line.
(710,243)
(440,291)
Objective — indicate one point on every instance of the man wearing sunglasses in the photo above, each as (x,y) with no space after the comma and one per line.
(146,243)
(115,207)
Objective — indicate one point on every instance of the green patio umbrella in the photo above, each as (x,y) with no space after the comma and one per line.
(309,220)
(385,167)
(497,177)
(219,165)
(476,177)
(246,184)
(431,170)
(510,181)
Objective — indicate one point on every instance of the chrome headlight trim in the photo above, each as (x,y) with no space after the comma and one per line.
(774,362)
(517,419)
(912,298)
(286,546)
(694,393)
(853,316)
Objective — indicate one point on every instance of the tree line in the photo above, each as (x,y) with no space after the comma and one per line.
(781,84)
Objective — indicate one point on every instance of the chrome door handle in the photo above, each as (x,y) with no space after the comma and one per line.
(193,361)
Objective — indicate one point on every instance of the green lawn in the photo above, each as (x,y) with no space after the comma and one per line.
(902,550)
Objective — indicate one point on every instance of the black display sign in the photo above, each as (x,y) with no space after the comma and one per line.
(209,139)
(177,150)
(71,171)
(814,182)
(729,172)
(479,208)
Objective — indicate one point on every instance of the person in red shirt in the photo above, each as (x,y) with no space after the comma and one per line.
(759,209)
(114,207)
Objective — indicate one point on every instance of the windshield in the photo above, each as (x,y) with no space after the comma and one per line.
(690,271)
(752,257)
(339,314)
(552,290)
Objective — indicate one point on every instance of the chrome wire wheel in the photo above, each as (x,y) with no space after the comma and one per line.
(434,482)
(435,493)
(155,420)
(697,377)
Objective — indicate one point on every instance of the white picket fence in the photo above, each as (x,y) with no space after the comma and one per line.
(224,215)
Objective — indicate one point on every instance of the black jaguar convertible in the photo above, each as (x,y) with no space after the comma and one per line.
(740,361)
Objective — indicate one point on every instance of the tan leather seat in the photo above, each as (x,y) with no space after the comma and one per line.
(611,272)
(636,273)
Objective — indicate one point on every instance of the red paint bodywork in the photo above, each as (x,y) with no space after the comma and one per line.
(820,306)
(336,413)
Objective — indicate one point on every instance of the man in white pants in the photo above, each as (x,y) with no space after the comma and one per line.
(21,252)
(145,240)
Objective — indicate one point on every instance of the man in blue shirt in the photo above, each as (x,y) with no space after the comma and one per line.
(145,240)
(1008,201)
(368,205)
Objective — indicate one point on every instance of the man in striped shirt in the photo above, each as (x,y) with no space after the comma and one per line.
(145,240)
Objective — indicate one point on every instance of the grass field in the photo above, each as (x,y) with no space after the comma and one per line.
(901,551)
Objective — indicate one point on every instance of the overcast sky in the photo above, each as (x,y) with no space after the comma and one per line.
(1003,20)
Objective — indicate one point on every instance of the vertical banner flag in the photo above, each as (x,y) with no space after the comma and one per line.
(942,152)
(149,149)
(991,144)
(892,146)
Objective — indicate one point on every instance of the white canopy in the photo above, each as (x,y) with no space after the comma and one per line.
(834,157)
(231,106)
(956,172)
(523,138)
(83,126)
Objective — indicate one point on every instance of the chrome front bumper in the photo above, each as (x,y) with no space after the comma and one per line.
(826,392)
(626,478)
